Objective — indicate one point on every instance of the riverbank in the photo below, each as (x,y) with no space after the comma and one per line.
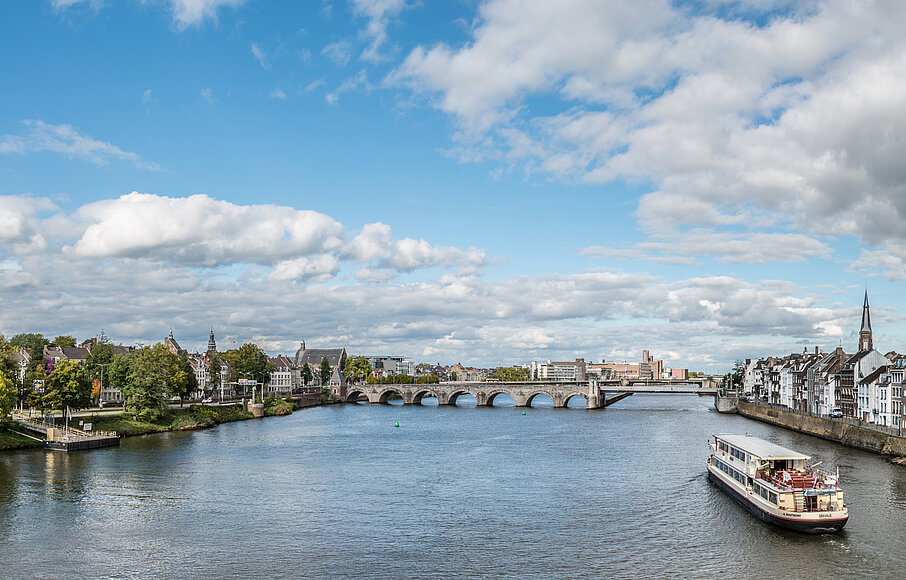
(840,431)
(12,440)
(190,418)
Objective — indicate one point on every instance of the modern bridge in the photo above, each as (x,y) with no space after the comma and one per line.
(597,394)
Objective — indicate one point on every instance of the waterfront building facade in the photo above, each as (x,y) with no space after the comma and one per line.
(866,385)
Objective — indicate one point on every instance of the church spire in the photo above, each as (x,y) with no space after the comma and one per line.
(212,346)
(865,331)
(866,318)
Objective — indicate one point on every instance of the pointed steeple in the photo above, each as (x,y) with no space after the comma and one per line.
(866,317)
(865,331)
(212,346)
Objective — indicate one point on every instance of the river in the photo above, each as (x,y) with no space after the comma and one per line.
(453,492)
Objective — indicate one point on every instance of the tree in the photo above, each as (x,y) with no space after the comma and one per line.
(453,376)
(357,369)
(68,387)
(734,379)
(510,374)
(8,396)
(65,340)
(183,383)
(148,383)
(214,371)
(33,343)
(307,375)
(324,371)
(249,361)
(99,360)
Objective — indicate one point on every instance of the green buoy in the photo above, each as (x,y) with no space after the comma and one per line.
(523,412)
(397,424)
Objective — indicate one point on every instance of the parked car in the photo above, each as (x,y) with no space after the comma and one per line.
(208,400)
(836,412)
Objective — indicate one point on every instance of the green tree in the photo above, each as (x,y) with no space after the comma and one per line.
(511,374)
(357,369)
(249,361)
(183,383)
(68,387)
(307,375)
(214,371)
(453,376)
(149,381)
(117,374)
(8,396)
(66,340)
(100,358)
(734,379)
(324,371)
(33,344)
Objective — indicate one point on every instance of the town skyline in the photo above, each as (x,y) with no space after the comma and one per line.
(713,182)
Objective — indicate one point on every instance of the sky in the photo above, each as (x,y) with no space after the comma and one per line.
(488,182)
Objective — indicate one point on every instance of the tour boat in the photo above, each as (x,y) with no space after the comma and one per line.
(777,484)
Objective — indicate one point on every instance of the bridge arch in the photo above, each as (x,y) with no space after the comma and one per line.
(419,395)
(570,395)
(531,397)
(354,395)
(454,396)
(385,395)
(492,396)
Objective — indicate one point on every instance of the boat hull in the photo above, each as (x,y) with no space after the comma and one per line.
(823,526)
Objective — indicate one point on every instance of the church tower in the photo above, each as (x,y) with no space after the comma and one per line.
(865,331)
(212,346)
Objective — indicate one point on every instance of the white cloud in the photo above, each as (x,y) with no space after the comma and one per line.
(725,247)
(208,95)
(67,140)
(360,80)
(147,98)
(188,13)
(379,13)
(782,115)
(63,5)
(201,231)
(339,52)
(278,94)
(260,56)
(317,269)
(20,232)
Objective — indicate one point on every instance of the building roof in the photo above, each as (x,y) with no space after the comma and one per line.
(282,363)
(66,352)
(761,448)
(312,356)
(873,376)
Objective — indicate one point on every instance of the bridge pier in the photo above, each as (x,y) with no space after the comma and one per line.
(594,400)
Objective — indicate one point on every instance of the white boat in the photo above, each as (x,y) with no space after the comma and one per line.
(777,484)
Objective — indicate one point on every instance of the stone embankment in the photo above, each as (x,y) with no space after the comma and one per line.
(838,430)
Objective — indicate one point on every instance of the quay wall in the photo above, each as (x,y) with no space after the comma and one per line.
(856,436)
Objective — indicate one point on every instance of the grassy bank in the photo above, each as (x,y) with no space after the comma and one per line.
(184,419)
(11,440)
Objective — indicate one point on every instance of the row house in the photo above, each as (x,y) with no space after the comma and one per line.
(866,385)
(285,377)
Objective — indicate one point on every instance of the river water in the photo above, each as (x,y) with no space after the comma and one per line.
(340,492)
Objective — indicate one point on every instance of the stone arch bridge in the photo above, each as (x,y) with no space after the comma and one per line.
(597,394)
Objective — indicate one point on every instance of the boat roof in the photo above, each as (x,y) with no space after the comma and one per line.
(760,447)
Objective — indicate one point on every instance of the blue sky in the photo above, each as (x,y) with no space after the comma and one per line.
(486,182)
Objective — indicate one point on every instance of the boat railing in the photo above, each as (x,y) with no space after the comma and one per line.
(812,479)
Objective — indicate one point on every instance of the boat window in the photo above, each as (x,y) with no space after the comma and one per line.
(766,494)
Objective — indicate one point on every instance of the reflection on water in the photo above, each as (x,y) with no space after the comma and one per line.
(454,491)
